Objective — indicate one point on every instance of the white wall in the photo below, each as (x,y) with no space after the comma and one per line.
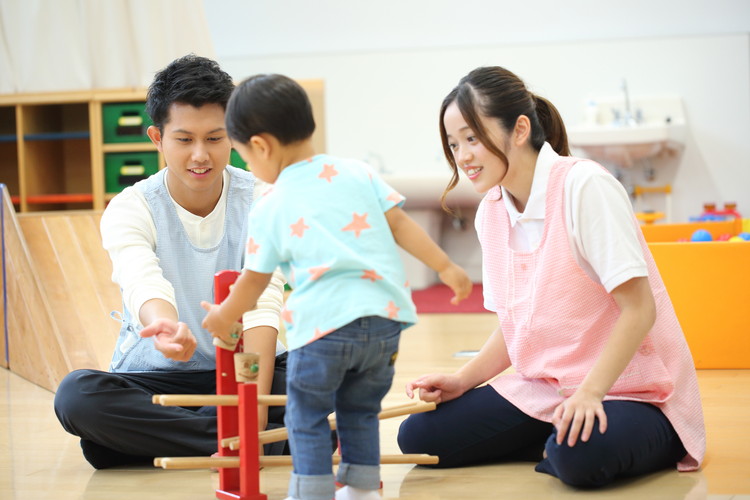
(242,28)
(388,66)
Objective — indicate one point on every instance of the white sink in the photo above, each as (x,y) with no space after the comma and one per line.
(626,145)
(424,190)
(650,133)
(662,133)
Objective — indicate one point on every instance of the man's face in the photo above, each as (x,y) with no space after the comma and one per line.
(196,149)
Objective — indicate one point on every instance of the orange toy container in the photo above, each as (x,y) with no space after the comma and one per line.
(709,284)
(676,232)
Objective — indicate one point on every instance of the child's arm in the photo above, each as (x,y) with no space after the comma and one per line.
(637,315)
(261,337)
(243,296)
(262,340)
(411,237)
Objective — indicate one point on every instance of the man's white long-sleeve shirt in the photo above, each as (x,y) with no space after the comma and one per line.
(129,236)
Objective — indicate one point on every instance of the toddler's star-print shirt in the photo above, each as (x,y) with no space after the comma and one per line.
(323,222)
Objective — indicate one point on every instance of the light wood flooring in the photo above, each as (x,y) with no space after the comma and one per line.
(38,460)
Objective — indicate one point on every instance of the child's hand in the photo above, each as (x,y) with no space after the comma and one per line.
(457,279)
(217,325)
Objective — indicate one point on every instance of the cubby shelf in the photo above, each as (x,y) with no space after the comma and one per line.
(55,148)
(52,147)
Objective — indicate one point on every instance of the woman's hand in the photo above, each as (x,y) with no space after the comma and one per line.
(576,416)
(173,339)
(436,388)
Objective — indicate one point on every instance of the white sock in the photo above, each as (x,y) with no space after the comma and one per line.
(352,493)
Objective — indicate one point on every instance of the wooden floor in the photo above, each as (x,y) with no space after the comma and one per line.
(38,460)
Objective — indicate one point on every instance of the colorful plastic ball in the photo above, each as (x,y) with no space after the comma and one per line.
(736,238)
(744,235)
(701,235)
(724,237)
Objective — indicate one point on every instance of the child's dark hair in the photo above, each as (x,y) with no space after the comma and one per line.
(272,104)
(495,92)
(192,80)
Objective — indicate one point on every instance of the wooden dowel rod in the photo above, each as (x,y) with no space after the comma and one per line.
(264,437)
(278,460)
(195,399)
(196,462)
(228,442)
(212,400)
(408,404)
(280,434)
(272,400)
(408,458)
(397,411)
(273,435)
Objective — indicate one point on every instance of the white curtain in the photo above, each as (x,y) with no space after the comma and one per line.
(56,45)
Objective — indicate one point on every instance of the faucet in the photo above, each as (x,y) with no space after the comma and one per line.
(629,119)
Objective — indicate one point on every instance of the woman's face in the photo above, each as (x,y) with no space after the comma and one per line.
(482,167)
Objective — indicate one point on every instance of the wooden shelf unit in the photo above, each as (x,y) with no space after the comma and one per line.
(53,149)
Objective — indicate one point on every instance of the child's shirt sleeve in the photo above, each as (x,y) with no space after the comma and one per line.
(387,196)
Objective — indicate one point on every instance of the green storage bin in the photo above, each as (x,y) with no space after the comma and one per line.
(236,160)
(125,122)
(125,169)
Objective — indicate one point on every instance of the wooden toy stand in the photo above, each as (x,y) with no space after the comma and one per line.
(241,483)
(237,413)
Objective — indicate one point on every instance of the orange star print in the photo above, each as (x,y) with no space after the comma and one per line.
(317,272)
(370,274)
(299,228)
(392,310)
(251,246)
(286,316)
(328,173)
(358,224)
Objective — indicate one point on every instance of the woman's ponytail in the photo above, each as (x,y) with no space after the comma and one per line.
(552,124)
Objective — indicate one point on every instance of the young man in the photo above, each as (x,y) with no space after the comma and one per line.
(167,236)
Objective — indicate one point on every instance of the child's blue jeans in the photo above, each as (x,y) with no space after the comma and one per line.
(348,371)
